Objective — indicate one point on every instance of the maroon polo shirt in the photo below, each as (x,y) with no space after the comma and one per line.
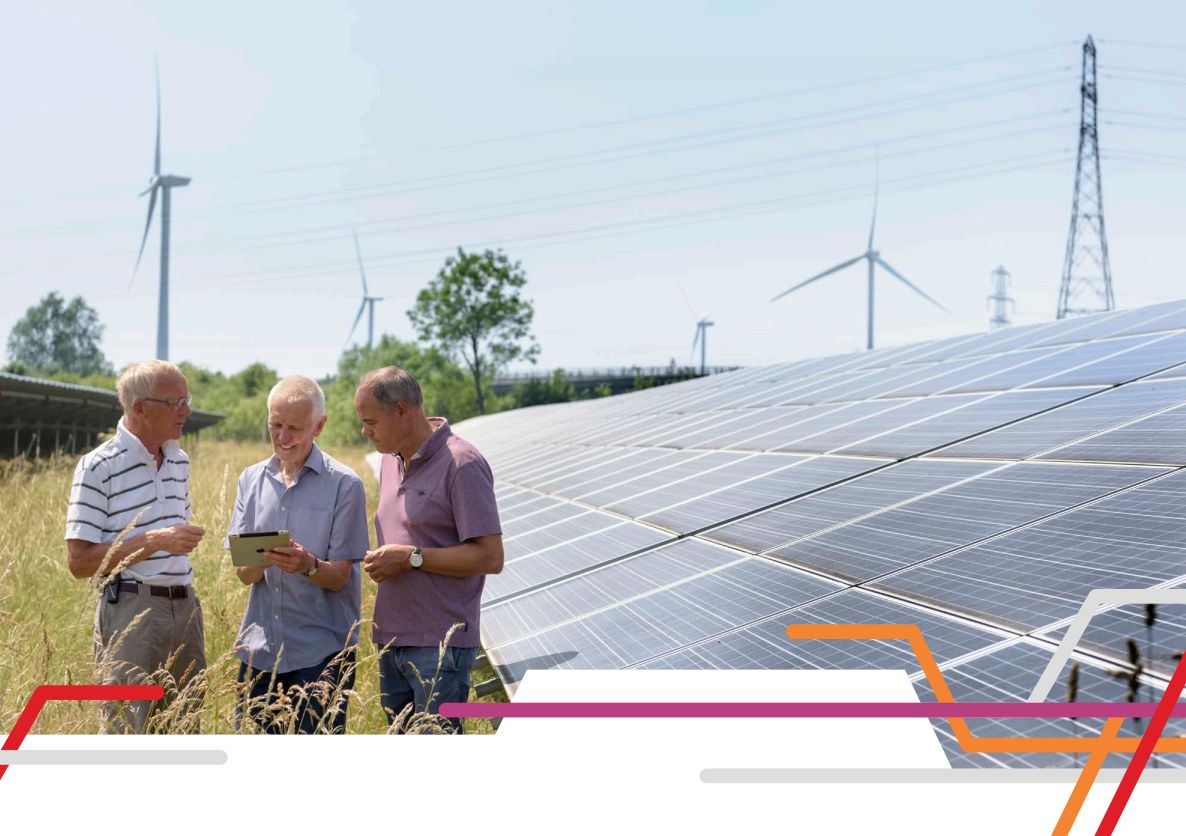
(442,497)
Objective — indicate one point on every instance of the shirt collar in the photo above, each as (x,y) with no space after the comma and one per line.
(315,462)
(440,434)
(126,438)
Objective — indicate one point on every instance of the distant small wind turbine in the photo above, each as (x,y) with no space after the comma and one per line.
(162,183)
(873,257)
(368,301)
(701,337)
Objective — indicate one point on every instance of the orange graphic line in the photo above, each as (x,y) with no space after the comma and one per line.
(1086,778)
(1097,747)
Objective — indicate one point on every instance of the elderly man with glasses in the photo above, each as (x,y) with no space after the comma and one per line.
(128,524)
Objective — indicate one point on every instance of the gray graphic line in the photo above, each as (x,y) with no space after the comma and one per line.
(114,757)
(928,776)
(1095,599)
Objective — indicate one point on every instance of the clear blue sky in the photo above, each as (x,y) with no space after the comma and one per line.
(619,150)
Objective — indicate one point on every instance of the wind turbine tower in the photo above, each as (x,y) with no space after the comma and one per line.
(162,184)
(1002,302)
(368,301)
(873,257)
(702,338)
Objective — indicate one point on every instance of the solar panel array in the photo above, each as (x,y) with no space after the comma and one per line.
(977,486)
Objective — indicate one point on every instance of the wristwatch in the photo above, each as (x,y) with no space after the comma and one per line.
(312,570)
(416,559)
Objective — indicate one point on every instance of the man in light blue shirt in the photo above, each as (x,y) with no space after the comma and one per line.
(301,626)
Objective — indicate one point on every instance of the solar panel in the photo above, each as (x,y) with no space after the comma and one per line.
(1028,579)
(979,486)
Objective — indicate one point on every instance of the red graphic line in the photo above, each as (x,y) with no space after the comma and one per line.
(44,693)
(1144,749)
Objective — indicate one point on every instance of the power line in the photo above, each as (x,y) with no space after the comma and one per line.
(495,173)
(315,235)
(689,110)
(923,180)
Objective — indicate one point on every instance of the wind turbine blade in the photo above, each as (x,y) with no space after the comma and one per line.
(361,308)
(910,284)
(819,276)
(696,339)
(156,160)
(876,190)
(680,288)
(147,226)
(361,271)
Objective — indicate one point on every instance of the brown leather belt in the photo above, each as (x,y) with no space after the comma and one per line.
(170,592)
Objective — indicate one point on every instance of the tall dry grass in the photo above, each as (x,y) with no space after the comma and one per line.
(46,615)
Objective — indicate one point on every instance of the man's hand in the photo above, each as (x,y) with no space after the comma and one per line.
(178,539)
(291,559)
(386,561)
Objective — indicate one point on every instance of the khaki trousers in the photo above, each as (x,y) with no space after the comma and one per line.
(145,639)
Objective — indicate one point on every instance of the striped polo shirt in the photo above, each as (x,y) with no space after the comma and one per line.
(118,484)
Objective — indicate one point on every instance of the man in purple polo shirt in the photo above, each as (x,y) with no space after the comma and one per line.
(439,536)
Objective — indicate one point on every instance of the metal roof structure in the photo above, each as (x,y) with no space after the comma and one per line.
(978,486)
(39,416)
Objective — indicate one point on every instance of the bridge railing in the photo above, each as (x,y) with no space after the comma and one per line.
(609,372)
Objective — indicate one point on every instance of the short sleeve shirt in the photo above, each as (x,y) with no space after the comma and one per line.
(118,489)
(289,618)
(442,497)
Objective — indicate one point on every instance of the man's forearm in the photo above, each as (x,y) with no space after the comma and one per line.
(86,559)
(480,556)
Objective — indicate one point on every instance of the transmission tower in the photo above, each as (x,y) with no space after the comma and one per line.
(1086,276)
(1002,302)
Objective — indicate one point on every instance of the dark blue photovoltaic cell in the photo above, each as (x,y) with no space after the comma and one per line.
(969,419)
(579,522)
(799,477)
(978,486)
(662,621)
(765,645)
(1009,675)
(1158,645)
(523,571)
(813,514)
(956,516)
(1159,439)
(1073,421)
(672,492)
(1033,577)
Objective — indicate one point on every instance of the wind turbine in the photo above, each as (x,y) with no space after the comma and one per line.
(701,336)
(368,301)
(162,183)
(873,257)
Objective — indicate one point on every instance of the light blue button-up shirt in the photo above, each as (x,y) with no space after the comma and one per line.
(288,616)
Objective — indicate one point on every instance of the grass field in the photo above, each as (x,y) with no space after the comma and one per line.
(46,615)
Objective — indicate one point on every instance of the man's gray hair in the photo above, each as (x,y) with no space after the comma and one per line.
(390,385)
(299,389)
(137,381)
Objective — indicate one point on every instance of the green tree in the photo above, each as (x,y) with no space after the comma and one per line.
(56,336)
(443,383)
(545,390)
(473,310)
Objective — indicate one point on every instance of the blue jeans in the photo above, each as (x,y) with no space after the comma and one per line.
(410,676)
(308,704)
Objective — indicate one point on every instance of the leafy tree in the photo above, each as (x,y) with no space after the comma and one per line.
(444,384)
(57,336)
(545,390)
(473,310)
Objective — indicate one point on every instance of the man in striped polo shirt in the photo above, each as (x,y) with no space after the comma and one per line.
(135,488)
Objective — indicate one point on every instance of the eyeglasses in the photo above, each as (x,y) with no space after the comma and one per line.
(175,403)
